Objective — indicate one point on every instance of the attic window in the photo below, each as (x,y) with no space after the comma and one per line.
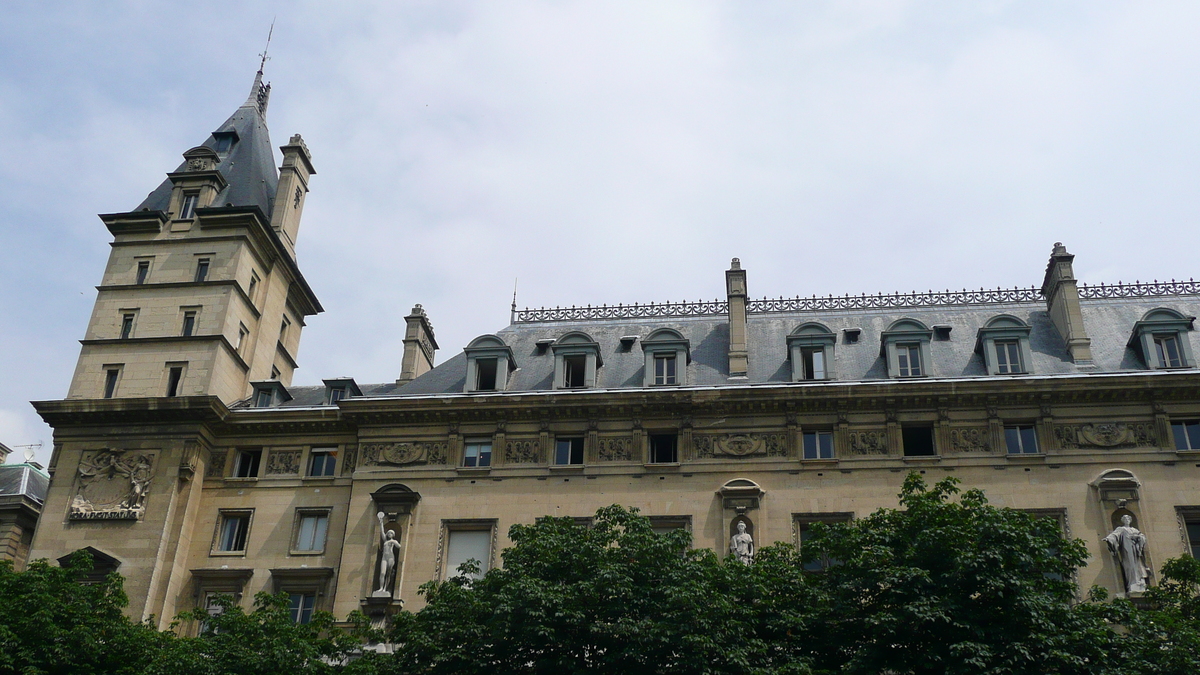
(852,335)
(942,332)
(224,141)
(1162,336)
(544,344)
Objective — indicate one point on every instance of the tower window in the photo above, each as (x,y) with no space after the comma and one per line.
(110,381)
(174,375)
(189,323)
(909,358)
(575,371)
(814,362)
(568,451)
(664,449)
(253,287)
(283,328)
(143,271)
(1021,440)
(126,326)
(818,445)
(202,269)
(918,441)
(188,210)
(664,369)
(243,333)
(485,374)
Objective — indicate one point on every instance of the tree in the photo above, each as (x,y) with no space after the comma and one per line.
(50,623)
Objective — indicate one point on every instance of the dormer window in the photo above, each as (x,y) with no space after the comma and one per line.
(1004,344)
(223,141)
(576,359)
(188,210)
(268,394)
(1162,338)
(336,394)
(667,354)
(489,363)
(263,398)
(340,389)
(905,345)
(810,350)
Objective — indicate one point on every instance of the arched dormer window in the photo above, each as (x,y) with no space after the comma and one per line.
(1162,339)
(667,355)
(489,363)
(576,358)
(905,345)
(810,349)
(1004,344)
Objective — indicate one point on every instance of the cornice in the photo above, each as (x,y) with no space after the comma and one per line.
(219,338)
(185,284)
(124,411)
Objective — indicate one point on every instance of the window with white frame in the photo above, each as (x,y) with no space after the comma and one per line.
(1004,344)
(664,448)
(905,345)
(247,462)
(568,450)
(1021,439)
(489,363)
(233,530)
(1163,339)
(908,360)
(187,210)
(818,445)
(810,350)
(301,606)
(576,361)
(667,354)
(322,462)
(477,452)
(312,526)
(466,540)
(1186,434)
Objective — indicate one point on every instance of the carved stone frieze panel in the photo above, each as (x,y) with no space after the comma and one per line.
(112,485)
(615,449)
(216,464)
(400,454)
(867,442)
(283,463)
(740,445)
(1106,435)
(970,439)
(351,460)
(523,451)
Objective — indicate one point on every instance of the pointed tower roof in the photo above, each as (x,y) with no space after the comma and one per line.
(247,161)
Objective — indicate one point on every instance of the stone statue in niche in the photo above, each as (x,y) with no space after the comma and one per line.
(1128,546)
(741,545)
(389,553)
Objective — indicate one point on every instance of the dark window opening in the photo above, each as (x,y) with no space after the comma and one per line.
(568,451)
(189,323)
(234,529)
(224,141)
(110,382)
(1193,533)
(485,374)
(247,464)
(143,271)
(173,377)
(1021,440)
(664,449)
(576,371)
(1167,347)
(322,463)
(852,335)
(126,326)
(201,269)
(918,441)
(301,607)
(818,445)
(1187,435)
(813,359)
(188,210)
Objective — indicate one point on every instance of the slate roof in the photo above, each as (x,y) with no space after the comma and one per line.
(248,166)
(24,480)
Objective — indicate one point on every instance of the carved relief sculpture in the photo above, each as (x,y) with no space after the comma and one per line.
(283,463)
(1128,546)
(1106,435)
(615,449)
(523,452)
(868,442)
(112,485)
(740,445)
(741,545)
(389,553)
(216,464)
(399,454)
(974,439)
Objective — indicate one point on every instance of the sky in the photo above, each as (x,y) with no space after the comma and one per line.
(601,153)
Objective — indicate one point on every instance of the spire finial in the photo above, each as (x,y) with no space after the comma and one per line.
(512,316)
(264,56)
(260,93)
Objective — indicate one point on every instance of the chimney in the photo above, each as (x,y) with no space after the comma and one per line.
(1062,301)
(419,346)
(293,187)
(735,286)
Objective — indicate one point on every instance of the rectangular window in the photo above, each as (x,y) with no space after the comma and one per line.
(143,271)
(223,142)
(231,538)
(247,463)
(568,451)
(485,374)
(477,453)
(464,545)
(243,333)
(1193,534)
(263,398)
(189,323)
(1021,440)
(110,381)
(665,524)
(1187,435)
(818,445)
(918,441)
(174,375)
(1008,357)
(274,373)
(311,530)
(804,529)
(283,329)
(301,606)
(576,371)
(1167,347)
(201,269)
(126,326)
(664,449)
(211,608)
(664,369)
(322,462)
(336,394)
(188,210)
(814,362)
(909,359)
(253,287)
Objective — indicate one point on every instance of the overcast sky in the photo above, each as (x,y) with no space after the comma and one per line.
(602,152)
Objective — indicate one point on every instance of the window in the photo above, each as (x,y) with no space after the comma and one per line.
(174,375)
(1166,346)
(311,530)
(908,356)
(814,363)
(576,371)
(202,269)
(918,441)
(1162,336)
(666,354)
(665,524)
(1187,435)
(336,394)
(1021,440)
(1008,357)
(234,527)
(804,530)
(468,544)
(485,374)
(189,323)
(212,608)
(110,381)
(143,271)
(301,606)
(274,373)
(188,210)
(126,326)
(243,333)
(810,351)
(818,445)
(664,369)
(1191,526)
(568,451)
(263,398)
(322,461)
(477,453)
(223,142)
(664,449)
(247,463)
(253,287)
(283,328)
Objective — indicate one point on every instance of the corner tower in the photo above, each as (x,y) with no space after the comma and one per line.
(202,294)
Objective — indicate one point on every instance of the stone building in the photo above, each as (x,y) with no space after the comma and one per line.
(22,492)
(184,456)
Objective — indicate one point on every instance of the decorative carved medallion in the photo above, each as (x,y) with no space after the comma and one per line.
(615,449)
(973,439)
(283,463)
(1106,435)
(868,442)
(112,485)
(399,454)
(740,445)
(523,451)
(197,164)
